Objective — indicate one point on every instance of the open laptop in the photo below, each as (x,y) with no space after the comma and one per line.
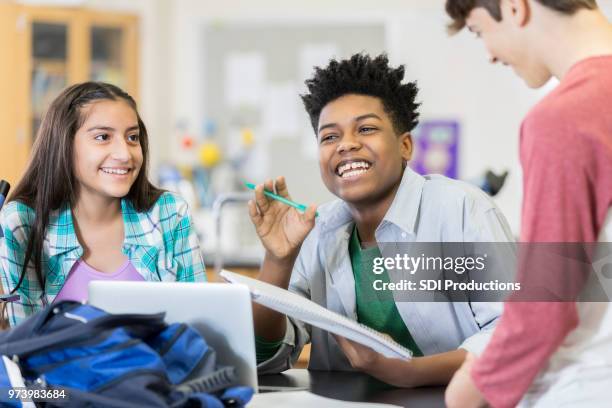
(220,312)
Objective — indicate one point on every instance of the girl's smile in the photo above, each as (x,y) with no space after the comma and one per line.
(116,170)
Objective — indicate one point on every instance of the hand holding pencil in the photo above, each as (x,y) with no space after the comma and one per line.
(282,225)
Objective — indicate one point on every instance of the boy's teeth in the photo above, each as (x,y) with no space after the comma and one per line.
(353,173)
(353,165)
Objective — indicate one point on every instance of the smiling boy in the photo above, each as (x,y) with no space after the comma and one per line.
(551,353)
(362,115)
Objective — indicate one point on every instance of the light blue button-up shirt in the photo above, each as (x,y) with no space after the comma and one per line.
(425,209)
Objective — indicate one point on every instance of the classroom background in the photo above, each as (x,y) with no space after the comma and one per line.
(218,83)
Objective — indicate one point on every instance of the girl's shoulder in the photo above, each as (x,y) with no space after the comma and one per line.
(170,205)
(170,199)
(16,218)
(16,213)
(157,225)
(167,211)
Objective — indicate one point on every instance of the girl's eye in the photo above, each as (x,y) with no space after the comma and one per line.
(102,137)
(134,138)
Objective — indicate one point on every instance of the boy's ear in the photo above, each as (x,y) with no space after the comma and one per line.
(406,146)
(517,10)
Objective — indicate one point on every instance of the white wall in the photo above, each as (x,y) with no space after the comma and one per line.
(156,67)
(455,78)
(457,81)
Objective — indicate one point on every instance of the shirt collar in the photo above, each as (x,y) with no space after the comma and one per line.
(60,231)
(133,222)
(403,212)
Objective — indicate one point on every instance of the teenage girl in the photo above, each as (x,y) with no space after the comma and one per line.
(85,209)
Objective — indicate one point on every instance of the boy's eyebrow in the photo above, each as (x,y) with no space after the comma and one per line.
(327,125)
(111,129)
(367,116)
(357,119)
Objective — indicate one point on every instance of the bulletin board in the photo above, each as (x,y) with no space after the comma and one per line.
(436,148)
(253,76)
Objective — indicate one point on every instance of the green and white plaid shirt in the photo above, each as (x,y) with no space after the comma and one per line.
(161,244)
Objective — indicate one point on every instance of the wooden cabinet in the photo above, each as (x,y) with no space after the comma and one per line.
(45,49)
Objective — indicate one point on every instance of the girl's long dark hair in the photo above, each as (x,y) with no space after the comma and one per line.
(49,179)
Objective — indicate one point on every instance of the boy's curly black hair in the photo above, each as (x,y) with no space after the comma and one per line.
(364,76)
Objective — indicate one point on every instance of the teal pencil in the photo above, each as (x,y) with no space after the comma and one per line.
(283,200)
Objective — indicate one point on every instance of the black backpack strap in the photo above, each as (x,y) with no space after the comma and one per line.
(151,323)
(219,379)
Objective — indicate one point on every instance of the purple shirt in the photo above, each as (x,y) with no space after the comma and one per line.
(76,285)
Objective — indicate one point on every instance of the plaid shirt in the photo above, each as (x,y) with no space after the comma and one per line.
(161,244)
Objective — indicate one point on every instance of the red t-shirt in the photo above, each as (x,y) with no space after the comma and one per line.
(566,155)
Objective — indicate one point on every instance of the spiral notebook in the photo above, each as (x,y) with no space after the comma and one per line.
(300,308)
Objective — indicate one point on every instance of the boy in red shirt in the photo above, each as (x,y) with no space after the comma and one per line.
(551,353)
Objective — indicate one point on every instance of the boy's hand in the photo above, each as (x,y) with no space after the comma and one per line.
(393,371)
(281,228)
(435,369)
(461,392)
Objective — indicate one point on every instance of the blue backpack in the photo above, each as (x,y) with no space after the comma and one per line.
(76,355)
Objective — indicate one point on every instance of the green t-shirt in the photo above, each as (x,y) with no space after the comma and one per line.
(376,309)
(265,349)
